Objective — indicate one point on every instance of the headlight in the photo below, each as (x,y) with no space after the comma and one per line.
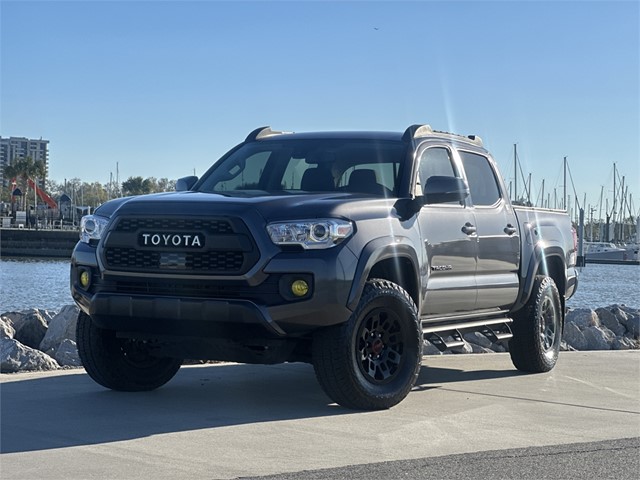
(91,227)
(310,234)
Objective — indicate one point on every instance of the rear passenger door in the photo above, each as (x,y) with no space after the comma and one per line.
(450,243)
(497,230)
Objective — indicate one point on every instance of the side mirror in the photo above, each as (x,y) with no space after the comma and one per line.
(185,183)
(442,189)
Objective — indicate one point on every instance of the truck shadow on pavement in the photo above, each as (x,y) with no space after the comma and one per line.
(61,411)
(431,377)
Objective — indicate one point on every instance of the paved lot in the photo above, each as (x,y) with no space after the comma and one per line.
(228,421)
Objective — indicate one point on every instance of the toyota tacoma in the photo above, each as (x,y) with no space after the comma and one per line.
(346,250)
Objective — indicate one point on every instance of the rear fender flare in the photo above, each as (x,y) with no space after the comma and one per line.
(537,263)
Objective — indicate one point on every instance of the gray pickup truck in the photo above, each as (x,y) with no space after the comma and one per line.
(342,249)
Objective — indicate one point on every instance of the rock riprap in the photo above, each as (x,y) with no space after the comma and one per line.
(38,340)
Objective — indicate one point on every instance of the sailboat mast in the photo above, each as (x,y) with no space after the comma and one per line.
(564,192)
(600,213)
(614,193)
(515,172)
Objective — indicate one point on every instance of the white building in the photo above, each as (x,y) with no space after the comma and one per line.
(12,148)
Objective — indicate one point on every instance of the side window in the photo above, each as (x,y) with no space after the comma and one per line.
(434,161)
(482,180)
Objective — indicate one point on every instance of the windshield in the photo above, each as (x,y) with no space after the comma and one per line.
(302,166)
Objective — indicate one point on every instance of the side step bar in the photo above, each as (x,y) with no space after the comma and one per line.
(447,336)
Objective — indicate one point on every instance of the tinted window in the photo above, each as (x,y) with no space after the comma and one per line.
(434,161)
(292,166)
(244,176)
(482,180)
(385,174)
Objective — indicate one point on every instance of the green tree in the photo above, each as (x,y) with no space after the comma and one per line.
(54,189)
(95,194)
(136,186)
(140,186)
(166,185)
(23,169)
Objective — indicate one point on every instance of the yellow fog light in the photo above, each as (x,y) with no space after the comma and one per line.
(85,279)
(299,288)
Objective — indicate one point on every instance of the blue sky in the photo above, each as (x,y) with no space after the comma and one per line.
(164,88)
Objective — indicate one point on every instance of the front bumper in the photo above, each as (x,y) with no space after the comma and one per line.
(127,302)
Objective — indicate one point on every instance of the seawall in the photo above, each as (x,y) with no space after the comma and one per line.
(37,243)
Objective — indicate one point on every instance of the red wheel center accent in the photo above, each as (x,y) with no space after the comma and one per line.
(377,346)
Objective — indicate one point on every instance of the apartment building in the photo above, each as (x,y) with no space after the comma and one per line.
(12,148)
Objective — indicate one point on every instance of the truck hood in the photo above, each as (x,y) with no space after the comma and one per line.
(272,208)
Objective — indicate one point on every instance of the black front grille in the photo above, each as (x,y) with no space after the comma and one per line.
(208,262)
(228,248)
(129,257)
(216,226)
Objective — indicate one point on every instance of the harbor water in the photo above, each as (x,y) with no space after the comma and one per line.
(44,283)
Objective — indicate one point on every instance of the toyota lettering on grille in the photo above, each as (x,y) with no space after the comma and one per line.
(172,240)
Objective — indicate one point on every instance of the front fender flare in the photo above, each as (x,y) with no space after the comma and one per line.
(376,251)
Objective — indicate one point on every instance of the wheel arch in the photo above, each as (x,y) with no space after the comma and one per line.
(392,259)
(548,262)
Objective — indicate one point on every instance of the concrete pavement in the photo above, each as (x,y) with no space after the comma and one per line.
(229,420)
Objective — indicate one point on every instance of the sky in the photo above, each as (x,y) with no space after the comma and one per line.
(164,88)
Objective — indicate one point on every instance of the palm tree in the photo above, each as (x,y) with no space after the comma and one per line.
(23,169)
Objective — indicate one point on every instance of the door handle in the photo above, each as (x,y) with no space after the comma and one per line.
(469,229)
(510,229)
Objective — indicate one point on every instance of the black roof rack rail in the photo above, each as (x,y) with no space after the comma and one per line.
(263,132)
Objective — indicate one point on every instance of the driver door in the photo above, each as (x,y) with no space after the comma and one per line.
(450,243)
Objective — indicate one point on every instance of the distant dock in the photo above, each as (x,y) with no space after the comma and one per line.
(612,262)
(19,242)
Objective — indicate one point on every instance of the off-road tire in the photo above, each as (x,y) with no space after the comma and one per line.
(120,364)
(537,329)
(372,361)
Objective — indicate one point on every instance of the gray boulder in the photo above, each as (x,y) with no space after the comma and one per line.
(14,318)
(61,327)
(598,338)
(429,348)
(478,349)
(15,357)
(610,321)
(6,330)
(466,348)
(476,338)
(624,343)
(620,312)
(583,318)
(574,337)
(67,354)
(31,329)
(46,314)
(633,327)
